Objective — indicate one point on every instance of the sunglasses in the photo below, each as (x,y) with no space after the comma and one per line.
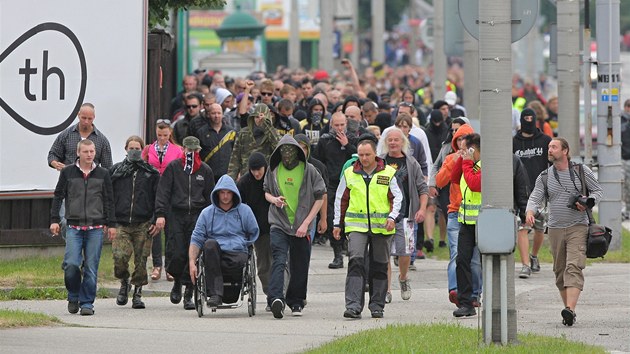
(165,121)
(192,106)
(267,93)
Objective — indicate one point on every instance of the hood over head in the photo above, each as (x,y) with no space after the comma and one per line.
(276,158)
(225,182)
(259,108)
(221,94)
(463,130)
(303,139)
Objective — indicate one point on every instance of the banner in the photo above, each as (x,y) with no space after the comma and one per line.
(54,56)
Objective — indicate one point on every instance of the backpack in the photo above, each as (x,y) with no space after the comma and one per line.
(599,236)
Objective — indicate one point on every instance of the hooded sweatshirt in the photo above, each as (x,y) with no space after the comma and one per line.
(533,153)
(311,190)
(234,230)
(250,139)
(443,176)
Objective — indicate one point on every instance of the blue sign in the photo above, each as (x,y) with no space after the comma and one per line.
(605,98)
(615,98)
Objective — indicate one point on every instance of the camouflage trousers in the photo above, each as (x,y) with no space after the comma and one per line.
(133,239)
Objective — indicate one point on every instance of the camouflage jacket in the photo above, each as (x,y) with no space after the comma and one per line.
(246,143)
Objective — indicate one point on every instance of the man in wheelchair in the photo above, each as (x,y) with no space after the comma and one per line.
(224,231)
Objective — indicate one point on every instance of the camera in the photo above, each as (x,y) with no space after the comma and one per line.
(588,202)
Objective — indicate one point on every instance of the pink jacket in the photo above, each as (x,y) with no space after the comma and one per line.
(150,155)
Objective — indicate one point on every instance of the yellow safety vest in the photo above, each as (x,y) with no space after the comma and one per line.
(368,208)
(519,103)
(471,203)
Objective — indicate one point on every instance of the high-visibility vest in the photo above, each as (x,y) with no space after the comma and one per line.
(369,207)
(471,203)
(519,103)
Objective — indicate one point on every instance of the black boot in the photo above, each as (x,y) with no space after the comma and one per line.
(136,301)
(123,293)
(176,292)
(338,260)
(188,302)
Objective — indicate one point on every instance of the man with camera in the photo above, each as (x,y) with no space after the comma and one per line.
(568,220)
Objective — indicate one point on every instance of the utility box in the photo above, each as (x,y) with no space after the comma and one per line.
(496,231)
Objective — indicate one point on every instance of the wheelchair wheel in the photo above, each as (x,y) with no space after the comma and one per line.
(251,299)
(200,288)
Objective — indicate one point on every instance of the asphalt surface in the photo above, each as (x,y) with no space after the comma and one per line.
(603,316)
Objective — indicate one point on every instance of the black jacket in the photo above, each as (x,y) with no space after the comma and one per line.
(533,153)
(89,201)
(182,191)
(521,187)
(436,135)
(252,194)
(331,154)
(208,139)
(625,136)
(134,196)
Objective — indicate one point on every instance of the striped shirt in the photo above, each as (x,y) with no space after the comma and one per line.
(64,149)
(560,216)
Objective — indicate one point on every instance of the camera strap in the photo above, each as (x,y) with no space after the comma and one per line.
(572,176)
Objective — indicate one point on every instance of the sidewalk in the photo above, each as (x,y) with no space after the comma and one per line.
(603,316)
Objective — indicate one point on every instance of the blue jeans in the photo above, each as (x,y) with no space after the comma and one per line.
(83,249)
(452,232)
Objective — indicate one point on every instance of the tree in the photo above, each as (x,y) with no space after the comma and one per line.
(159,9)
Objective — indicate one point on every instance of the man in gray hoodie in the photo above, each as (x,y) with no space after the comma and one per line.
(295,190)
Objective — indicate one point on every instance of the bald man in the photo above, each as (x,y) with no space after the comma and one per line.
(216,139)
(333,150)
(63,152)
(353,113)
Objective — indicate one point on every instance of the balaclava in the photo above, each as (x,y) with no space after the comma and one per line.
(528,127)
(289,156)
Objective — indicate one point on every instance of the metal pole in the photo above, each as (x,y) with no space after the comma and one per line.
(413,33)
(568,73)
(487,298)
(326,35)
(471,76)
(495,76)
(588,112)
(504,300)
(608,120)
(355,30)
(439,58)
(294,36)
(378,29)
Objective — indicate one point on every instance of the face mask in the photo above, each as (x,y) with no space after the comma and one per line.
(134,155)
(353,125)
(316,118)
(528,127)
(289,156)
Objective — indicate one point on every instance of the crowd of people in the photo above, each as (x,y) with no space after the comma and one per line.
(279,163)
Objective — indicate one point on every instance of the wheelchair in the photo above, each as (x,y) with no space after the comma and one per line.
(235,287)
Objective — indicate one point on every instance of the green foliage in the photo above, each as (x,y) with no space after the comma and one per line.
(158,9)
(43,272)
(23,293)
(17,318)
(443,338)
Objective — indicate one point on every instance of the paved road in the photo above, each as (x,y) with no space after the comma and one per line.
(603,316)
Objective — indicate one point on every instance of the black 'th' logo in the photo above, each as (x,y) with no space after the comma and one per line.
(31,72)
